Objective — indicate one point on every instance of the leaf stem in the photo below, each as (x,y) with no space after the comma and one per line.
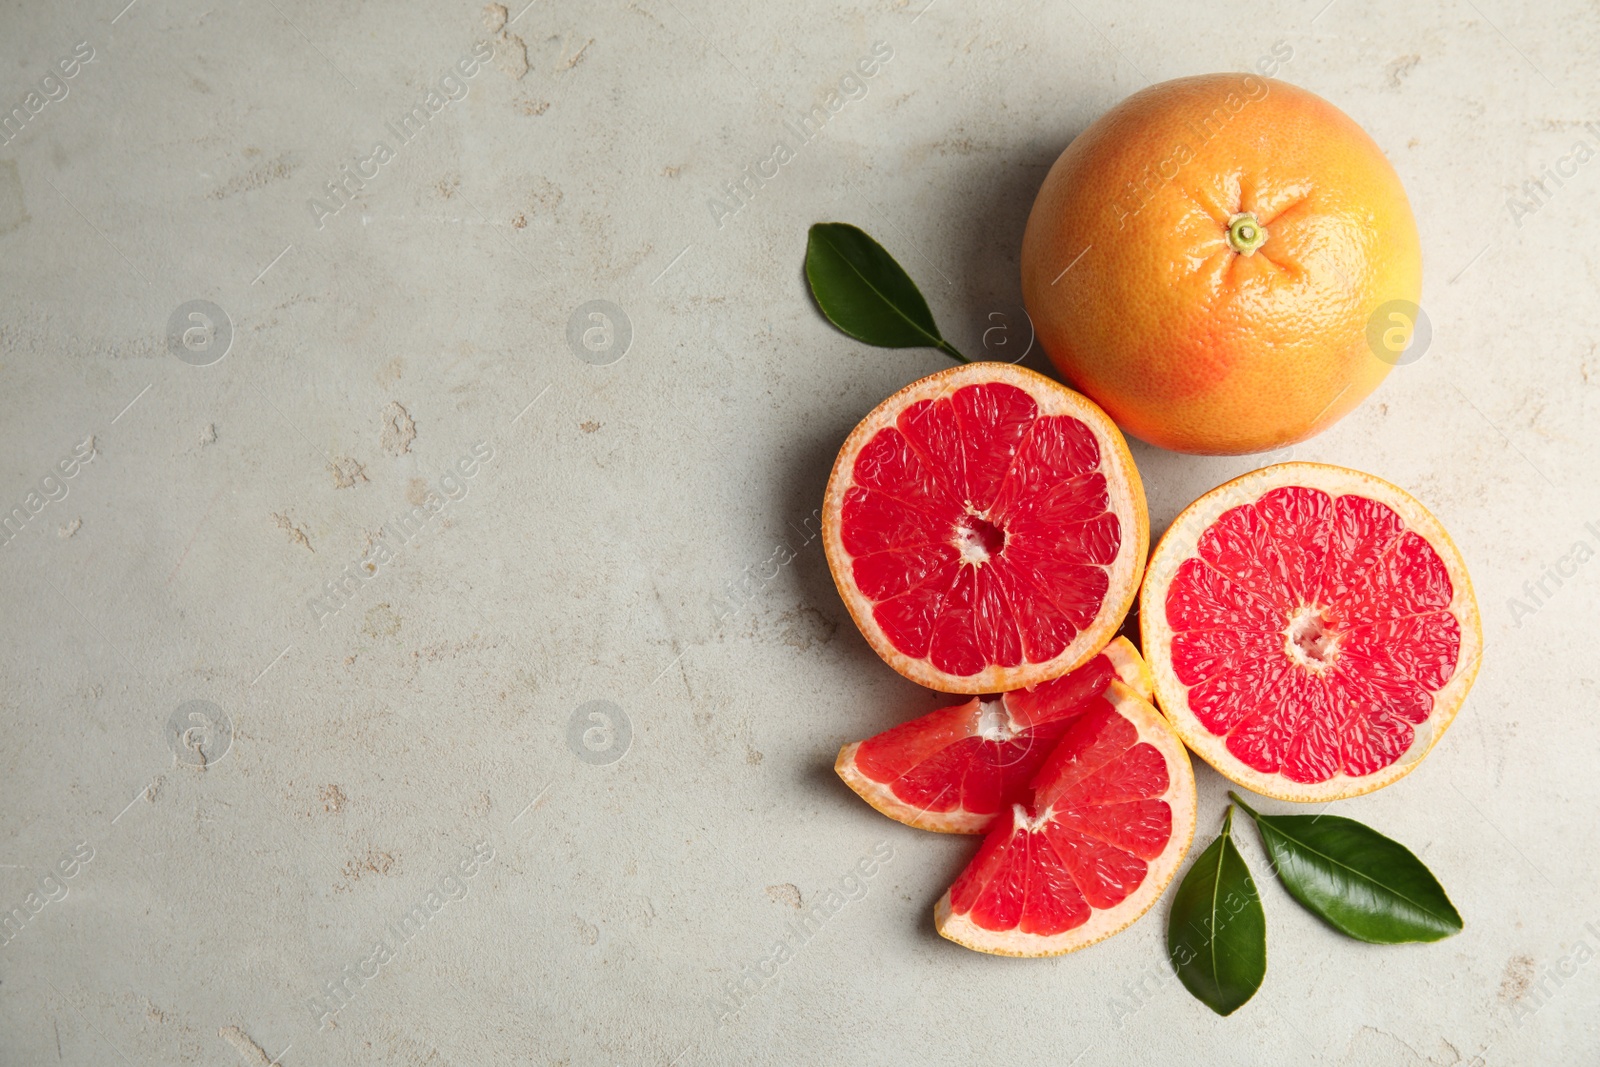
(948,349)
(1247,808)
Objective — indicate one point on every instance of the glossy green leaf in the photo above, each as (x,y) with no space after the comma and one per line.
(1363,884)
(864,292)
(1217,933)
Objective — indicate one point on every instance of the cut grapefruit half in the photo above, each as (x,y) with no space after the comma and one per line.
(954,769)
(986,528)
(1111,817)
(1311,629)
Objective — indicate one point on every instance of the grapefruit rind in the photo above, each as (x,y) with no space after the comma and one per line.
(1125,661)
(1180,542)
(1155,730)
(1125,489)
(1131,668)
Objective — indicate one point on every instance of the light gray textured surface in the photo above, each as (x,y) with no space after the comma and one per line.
(590,558)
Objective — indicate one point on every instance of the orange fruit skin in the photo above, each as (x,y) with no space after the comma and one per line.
(1184,341)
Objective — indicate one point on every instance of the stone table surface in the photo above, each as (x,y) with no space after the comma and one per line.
(583,710)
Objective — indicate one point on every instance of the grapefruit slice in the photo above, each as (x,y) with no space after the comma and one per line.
(1311,629)
(1111,817)
(954,769)
(986,528)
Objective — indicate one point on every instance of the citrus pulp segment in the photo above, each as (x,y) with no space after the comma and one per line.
(1111,816)
(954,769)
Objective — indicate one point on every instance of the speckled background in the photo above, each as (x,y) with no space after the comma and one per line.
(638,529)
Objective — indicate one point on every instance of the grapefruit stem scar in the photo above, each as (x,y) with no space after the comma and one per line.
(1245,233)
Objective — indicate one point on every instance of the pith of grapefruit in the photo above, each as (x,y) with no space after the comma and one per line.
(1111,817)
(986,528)
(1311,629)
(954,769)
(1205,259)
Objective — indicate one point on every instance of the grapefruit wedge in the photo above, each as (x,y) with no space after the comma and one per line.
(986,528)
(954,769)
(1311,629)
(1111,816)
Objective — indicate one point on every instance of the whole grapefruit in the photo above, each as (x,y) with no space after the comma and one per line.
(1206,259)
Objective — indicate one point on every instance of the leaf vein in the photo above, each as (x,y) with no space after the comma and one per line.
(880,294)
(1423,908)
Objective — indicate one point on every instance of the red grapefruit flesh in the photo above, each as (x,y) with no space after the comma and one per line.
(1312,631)
(1111,817)
(954,769)
(986,528)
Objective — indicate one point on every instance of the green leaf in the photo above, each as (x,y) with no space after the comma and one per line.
(864,292)
(1363,884)
(1217,933)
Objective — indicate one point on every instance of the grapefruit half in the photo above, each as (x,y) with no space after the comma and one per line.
(954,769)
(1311,629)
(986,528)
(1111,817)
